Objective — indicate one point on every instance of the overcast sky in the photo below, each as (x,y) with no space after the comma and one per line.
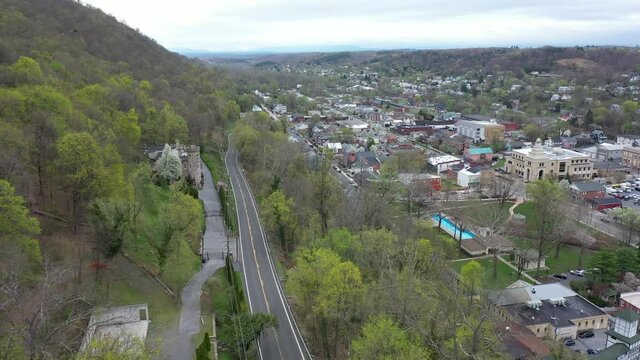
(236,25)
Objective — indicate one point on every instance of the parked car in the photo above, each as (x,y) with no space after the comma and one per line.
(579,272)
(586,334)
(592,351)
(560,276)
(569,342)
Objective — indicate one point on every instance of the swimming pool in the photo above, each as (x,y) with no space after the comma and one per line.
(450,228)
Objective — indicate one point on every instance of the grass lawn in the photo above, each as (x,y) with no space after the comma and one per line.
(183,262)
(123,283)
(478,211)
(505,275)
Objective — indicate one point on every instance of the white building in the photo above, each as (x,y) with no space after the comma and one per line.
(628,140)
(623,340)
(481,131)
(467,178)
(123,324)
(443,162)
(537,162)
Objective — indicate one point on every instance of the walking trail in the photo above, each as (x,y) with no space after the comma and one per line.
(214,244)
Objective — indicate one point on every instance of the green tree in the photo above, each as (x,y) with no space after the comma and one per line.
(82,170)
(629,107)
(630,219)
(280,218)
(20,255)
(588,118)
(549,210)
(203,351)
(111,218)
(326,190)
(119,348)
(472,278)
(180,218)
(382,339)
(26,71)
(245,328)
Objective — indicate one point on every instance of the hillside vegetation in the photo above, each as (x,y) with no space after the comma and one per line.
(80,96)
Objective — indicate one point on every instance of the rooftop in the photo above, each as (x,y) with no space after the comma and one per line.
(129,321)
(442,159)
(632,298)
(587,186)
(556,153)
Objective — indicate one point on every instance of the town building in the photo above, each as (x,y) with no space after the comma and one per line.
(631,156)
(628,140)
(535,163)
(469,178)
(481,131)
(442,163)
(631,301)
(520,343)
(428,182)
(604,152)
(549,310)
(587,190)
(606,203)
(478,154)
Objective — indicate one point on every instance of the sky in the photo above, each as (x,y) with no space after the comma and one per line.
(248,25)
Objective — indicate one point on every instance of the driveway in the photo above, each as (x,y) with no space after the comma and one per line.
(214,244)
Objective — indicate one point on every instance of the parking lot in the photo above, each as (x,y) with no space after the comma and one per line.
(597,342)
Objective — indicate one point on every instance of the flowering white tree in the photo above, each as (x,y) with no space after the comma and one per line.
(169,165)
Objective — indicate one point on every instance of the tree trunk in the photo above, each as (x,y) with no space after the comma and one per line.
(495,263)
(557,250)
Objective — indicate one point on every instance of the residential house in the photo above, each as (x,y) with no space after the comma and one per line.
(189,157)
(537,162)
(431,182)
(478,154)
(362,160)
(549,310)
(598,136)
(587,190)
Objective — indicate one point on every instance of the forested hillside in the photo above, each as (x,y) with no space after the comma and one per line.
(80,96)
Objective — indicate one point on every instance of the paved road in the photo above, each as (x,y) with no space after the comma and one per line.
(263,289)
(214,244)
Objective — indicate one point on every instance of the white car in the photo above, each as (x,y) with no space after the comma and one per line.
(577,272)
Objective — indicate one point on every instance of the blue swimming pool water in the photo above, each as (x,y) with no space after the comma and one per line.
(448,226)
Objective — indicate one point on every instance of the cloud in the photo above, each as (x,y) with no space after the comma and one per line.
(246,24)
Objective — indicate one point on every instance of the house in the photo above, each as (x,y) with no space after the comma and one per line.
(537,162)
(189,157)
(598,136)
(391,139)
(431,182)
(622,336)
(527,259)
(549,310)
(587,190)
(123,323)
(478,154)
(606,203)
(363,160)
(510,126)
(256,109)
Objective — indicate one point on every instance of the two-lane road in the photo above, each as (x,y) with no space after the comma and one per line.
(263,289)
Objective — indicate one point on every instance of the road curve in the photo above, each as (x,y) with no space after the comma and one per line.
(262,287)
